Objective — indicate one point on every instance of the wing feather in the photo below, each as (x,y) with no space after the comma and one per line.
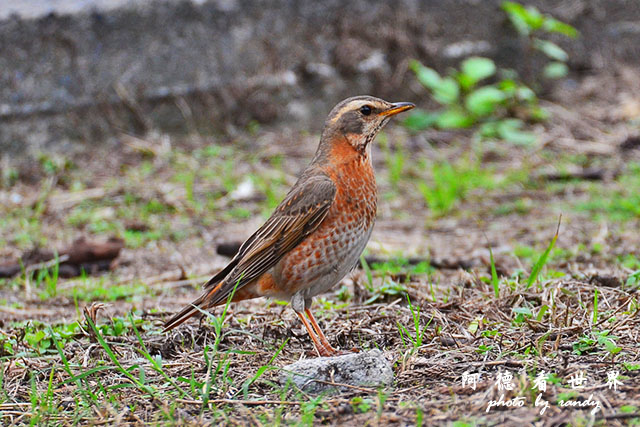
(297,216)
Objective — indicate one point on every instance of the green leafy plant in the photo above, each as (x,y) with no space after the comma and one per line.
(484,349)
(389,288)
(633,281)
(596,340)
(481,94)
(308,410)
(529,22)
(467,102)
(521,313)
(361,405)
(39,337)
(400,271)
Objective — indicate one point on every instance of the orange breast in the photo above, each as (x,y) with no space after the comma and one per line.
(326,255)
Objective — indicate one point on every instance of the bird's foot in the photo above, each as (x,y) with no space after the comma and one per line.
(328,351)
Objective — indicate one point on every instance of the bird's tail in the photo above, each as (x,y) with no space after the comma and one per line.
(201,303)
(209,298)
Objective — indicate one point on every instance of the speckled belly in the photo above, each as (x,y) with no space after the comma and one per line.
(328,254)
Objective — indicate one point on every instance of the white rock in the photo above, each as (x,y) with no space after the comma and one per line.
(244,191)
(368,369)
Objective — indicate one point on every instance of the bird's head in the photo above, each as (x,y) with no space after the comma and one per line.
(359,119)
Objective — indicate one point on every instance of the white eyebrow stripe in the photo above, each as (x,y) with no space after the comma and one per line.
(354,105)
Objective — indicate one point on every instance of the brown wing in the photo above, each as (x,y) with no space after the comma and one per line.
(297,216)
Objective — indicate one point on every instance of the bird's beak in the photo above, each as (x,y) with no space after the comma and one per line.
(396,108)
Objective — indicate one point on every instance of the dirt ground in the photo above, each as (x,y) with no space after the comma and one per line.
(175,200)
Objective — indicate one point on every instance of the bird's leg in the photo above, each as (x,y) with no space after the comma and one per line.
(317,343)
(321,336)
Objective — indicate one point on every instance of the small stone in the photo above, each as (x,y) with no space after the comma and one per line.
(244,191)
(368,369)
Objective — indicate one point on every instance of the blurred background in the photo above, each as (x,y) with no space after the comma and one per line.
(87,71)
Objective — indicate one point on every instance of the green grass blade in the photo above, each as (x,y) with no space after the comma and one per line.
(83,375)
(218,322)
(261,371)
(367,270)
(535,271)
(403,332)
(85,391)
(494,274)
(542,312)
(154,363)
(115,360)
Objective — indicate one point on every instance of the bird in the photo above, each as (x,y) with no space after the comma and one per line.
(316,235)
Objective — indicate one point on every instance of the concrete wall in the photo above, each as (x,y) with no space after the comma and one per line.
(181,65)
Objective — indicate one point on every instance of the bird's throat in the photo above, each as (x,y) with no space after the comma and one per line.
(344,150)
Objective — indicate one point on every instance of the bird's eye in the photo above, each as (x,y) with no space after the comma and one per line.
(365,110)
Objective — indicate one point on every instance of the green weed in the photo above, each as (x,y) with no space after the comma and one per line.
(466,103)
(368,273)
(537,267)
(46,279)
(449,183)
(484,349)
(401,265)
(621,203)
(308,410)
(633,281)
(495,283)
(629,261)
(415,339)
(361,405)
(389,288)
(38,338)
(521,313)
(596,341)
(532,25)
(469,100)
(138,382)
(156,362)
(96,289)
